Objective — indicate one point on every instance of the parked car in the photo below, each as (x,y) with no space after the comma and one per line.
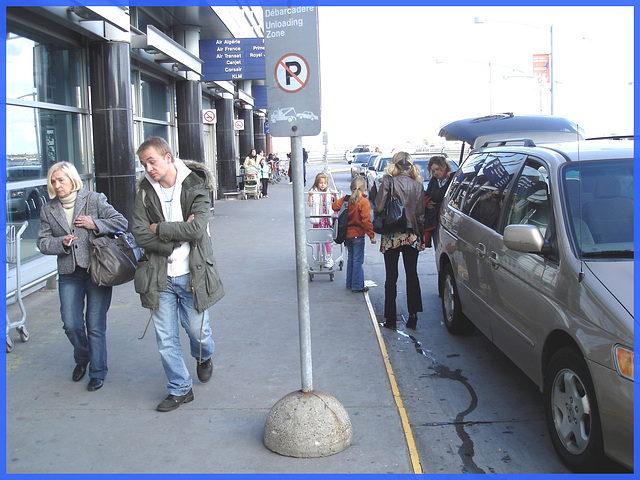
(375,173)
(376,170)
(25,202)
(349,155)
(422,162)
(361,162)
(535,249)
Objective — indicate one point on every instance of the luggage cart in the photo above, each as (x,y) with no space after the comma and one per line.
(14,237)
(321,232)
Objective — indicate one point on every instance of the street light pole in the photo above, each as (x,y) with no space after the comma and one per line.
(479,20)
(490,89)
(551,62)
(491,65)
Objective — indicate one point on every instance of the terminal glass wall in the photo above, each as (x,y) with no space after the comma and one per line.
(46,122)
(153,108)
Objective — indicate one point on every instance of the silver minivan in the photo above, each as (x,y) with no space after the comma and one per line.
(535,249)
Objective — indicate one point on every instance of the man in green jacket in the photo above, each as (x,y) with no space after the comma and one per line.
(177,277)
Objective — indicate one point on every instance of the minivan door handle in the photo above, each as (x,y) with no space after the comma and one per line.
(493,260)
(481,250)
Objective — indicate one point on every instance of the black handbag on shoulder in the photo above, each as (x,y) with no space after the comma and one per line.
(113,259)
(392,219)
(340,226)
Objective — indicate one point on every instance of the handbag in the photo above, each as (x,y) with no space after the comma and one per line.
(340,226)
(393,218)
(113,259)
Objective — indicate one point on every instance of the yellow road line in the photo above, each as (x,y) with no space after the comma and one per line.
(411,444)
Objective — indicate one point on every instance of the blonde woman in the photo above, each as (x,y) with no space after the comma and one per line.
(359,225)
(66,224)
(407,187)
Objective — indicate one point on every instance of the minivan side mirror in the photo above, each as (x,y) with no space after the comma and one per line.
(524,238)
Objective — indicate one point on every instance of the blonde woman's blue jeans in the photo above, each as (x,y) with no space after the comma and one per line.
(83,308)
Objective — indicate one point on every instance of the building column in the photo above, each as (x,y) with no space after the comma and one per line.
(226,146)
(246,135)
(189,100)
(112,119)
(260,138)
(189,118)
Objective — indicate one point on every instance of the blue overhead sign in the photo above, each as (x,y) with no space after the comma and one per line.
(233,59)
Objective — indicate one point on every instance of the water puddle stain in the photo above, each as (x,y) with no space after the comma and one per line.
(466,450)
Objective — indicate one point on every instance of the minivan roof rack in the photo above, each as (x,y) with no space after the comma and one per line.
(526,142)
(613,137)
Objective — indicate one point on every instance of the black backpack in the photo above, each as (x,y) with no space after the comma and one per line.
(340,227)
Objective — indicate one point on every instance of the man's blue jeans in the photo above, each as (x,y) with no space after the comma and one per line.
(355,259)
(176,303)
(87,331)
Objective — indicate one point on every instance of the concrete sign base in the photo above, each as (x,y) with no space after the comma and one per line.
(307,425)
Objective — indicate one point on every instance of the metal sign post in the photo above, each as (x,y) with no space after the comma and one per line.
(304,321)
(293,99)
(304,423)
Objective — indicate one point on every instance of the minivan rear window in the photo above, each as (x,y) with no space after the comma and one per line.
(483,175)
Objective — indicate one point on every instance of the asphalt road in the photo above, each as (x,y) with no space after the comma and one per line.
(471,410)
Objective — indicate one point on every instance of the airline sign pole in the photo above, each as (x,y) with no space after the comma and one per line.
(297,425)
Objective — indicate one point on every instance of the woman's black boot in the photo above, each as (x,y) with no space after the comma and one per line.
(413,320)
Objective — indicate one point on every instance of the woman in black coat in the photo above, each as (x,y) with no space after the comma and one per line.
(441,174)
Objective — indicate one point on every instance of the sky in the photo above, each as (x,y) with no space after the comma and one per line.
(394,75)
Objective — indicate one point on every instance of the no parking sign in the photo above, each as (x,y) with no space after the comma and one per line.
(293,70)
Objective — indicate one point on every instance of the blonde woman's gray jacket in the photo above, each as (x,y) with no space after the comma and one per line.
(54,226)
(151,275)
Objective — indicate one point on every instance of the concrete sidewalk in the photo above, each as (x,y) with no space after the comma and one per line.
(54,425)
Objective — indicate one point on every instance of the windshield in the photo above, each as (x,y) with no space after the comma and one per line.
(598,201)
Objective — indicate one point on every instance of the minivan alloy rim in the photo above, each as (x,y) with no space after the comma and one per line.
(571,411)
(448,296)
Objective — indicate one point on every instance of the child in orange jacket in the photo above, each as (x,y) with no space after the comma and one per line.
(359,225)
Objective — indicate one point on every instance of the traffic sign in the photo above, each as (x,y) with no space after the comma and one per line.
(292,73)
(293,70)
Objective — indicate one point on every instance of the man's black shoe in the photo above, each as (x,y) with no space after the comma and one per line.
(95,384)
(174,401)
(205,369)
(79,372)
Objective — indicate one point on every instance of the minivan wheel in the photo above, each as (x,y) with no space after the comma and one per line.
(454,320)
(572,413)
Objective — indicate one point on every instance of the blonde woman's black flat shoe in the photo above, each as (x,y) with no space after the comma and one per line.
(79,372)
(95,384)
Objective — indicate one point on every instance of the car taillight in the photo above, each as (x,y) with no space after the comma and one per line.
(624,361)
